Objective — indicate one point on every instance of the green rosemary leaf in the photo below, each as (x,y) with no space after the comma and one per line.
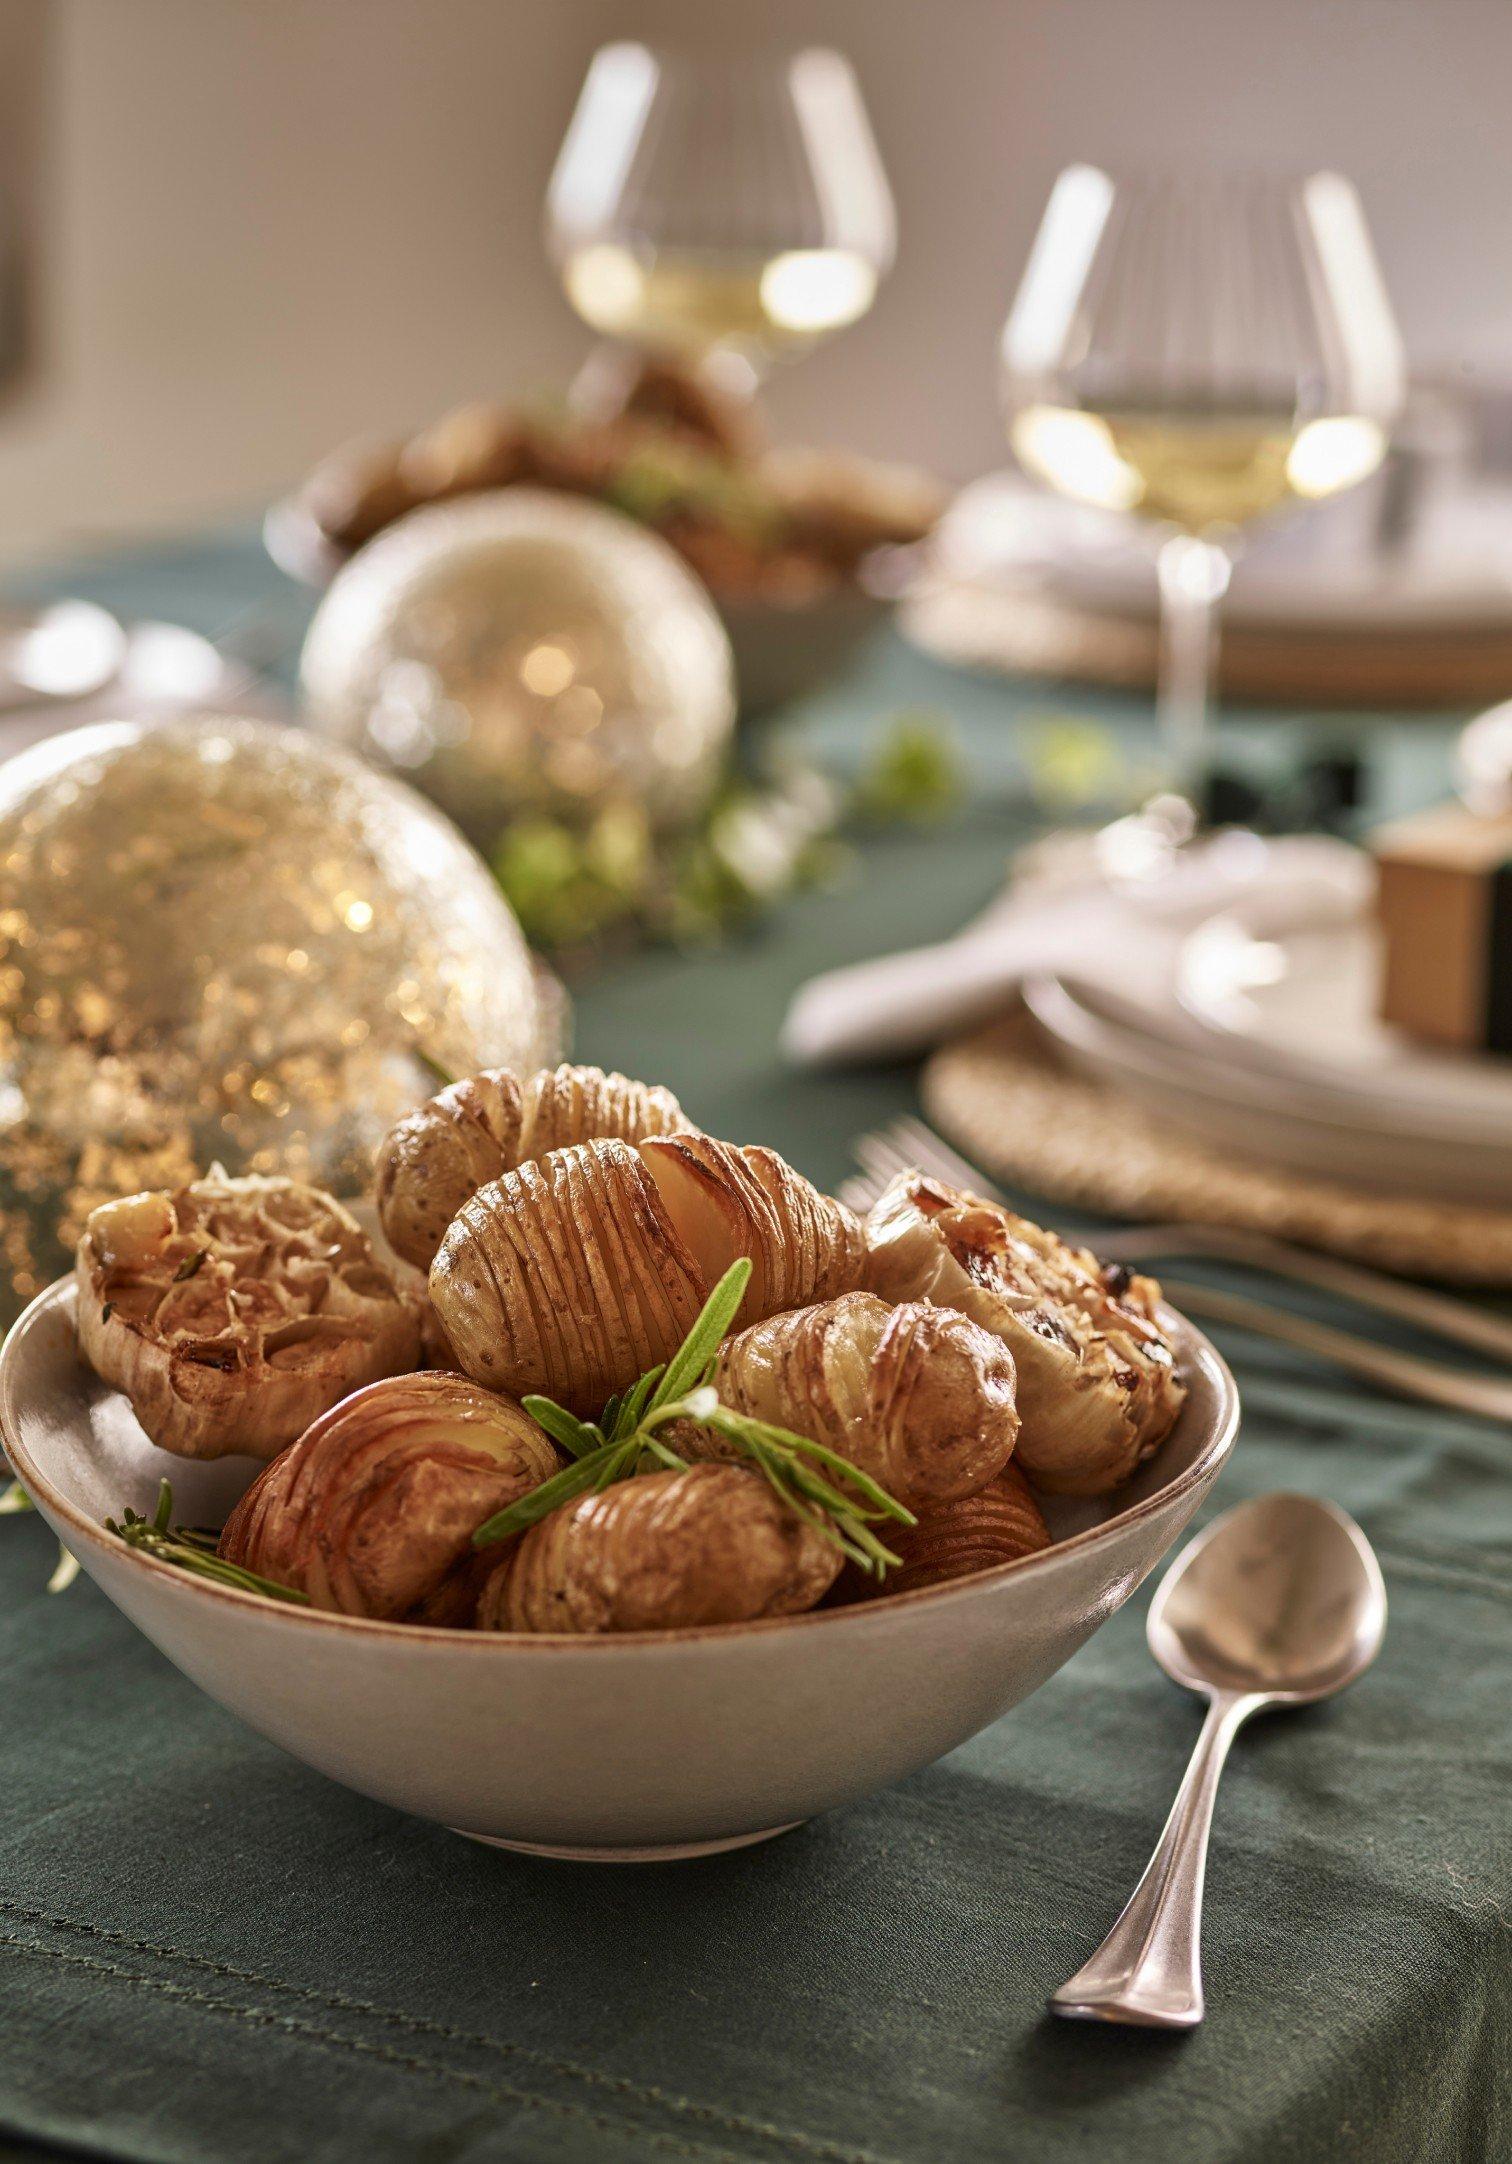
(162,1517)
(869,1490)
(65,1570)
(824,1489)
(666,1456)
(563,1487)
(190,1266)
(687,1364)
(14,1499)
(107,1311)
(149,1536)
(433,1067)
(633,1406)
(575,1436)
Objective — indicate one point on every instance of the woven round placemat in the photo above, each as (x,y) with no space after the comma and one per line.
(1002,1097)
(1024,631)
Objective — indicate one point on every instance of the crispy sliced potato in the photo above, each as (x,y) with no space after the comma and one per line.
(919,1397)
(997,1524)
(492,1123)
(576,1273)
(668,1551)
(373,1510)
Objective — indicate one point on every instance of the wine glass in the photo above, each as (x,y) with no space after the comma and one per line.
(728,212)
(1200,352)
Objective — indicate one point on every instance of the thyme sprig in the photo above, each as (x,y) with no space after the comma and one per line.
(833,1496)
(192,1548)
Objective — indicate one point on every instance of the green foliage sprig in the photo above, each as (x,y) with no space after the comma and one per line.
(192,1548)
(833,1496)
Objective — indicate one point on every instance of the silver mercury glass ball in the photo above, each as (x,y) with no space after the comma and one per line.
(223,939)
(525,654)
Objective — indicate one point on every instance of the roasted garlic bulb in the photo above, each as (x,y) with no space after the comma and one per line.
(1097,1381)
(919,1397)
(373,1510)
(998,1524)
(667,1551)
(231,1312)
(581,1270)
(492,1123)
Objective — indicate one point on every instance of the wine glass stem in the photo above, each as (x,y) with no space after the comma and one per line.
(1194,573)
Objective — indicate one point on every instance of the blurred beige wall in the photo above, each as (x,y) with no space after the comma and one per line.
(268,225)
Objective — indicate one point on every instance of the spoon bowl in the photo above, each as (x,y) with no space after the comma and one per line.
(1278,1603)
(1281,1596)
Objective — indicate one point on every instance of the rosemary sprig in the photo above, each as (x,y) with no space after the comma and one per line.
(192,1548)
(840,1501)
(13,1500)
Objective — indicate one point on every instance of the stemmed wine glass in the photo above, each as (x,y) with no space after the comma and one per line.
(731,212)
(1200,352)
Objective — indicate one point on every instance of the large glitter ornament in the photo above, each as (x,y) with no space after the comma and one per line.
(523,653)
(222,939)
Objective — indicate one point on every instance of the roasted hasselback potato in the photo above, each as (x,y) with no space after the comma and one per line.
(1097,1381)
(576,1273)
(231,1312)
(372,1511)
(491,1124)
(998,1524)
(667,1551)
(919,1397)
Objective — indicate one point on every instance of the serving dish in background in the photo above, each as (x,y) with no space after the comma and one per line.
(633,1747)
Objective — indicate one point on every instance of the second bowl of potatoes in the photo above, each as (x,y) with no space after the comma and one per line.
(674,1503)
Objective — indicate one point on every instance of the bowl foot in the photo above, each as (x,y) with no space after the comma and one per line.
(671,1852)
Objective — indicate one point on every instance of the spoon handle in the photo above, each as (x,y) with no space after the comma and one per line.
(1148,1970)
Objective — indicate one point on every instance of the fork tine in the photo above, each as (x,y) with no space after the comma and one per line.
(859,1193)
(915,1144)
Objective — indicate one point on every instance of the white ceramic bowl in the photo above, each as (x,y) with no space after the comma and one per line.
(649,1745)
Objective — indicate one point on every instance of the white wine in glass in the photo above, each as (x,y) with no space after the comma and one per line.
(723,212)
(1201,353)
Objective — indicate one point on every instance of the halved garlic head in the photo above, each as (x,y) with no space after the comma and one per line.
(578,1272)
(373,1510)
(667,1551)
(231,1312)
(477,1130)
(133,1233)
(1097,1381)
(919,1397)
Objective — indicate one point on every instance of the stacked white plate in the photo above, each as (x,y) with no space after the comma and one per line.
(1257,1032)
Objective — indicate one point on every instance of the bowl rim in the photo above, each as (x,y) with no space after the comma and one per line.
(63,1294)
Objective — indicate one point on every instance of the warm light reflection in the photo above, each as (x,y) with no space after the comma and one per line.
(1074,452)
(1334,453)
(817,289)
(547,669)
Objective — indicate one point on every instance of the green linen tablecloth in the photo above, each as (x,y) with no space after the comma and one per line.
(209,1955)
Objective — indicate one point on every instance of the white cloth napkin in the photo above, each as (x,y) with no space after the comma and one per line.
(1088,911)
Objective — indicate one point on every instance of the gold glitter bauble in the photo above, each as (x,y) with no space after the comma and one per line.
(526,653)
(224,939)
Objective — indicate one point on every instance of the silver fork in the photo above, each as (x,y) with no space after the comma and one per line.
(907,1144)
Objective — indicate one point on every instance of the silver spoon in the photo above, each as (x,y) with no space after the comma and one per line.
(1278,1603)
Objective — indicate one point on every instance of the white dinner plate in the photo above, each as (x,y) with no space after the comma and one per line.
(1321,571)
(1265,1117)
(1302,1002)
